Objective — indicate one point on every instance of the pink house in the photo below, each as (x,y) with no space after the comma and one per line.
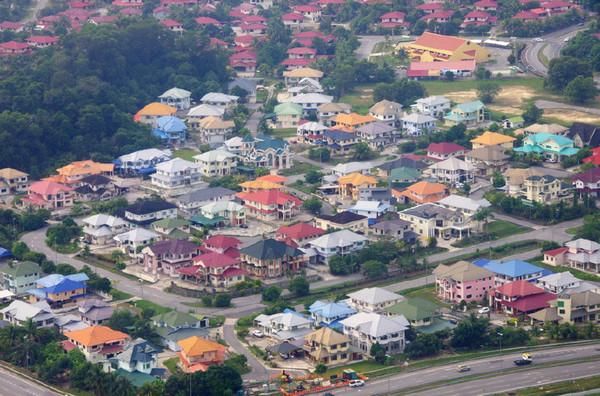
(463,281)
(48,195)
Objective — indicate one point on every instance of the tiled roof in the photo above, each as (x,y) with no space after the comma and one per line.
(444,148)
(342,217)
(269,197)
(489,138)
(439,41)
(556,252)
(299,231)
(222,242)
(260,185)
(357,179)
(520,288)
(156,109)
(214,260)
(45,187)
(589,176)
(96,335)
(462,271)
(427,188)
(195,346)
(270,249)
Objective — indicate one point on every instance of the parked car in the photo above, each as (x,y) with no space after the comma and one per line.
(522,362)
(538,39)
(356,383)
(463,368)
(484,310)
(258,333)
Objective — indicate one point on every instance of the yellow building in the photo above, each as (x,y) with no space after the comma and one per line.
(350,184)
(432,47)
(149,113)
(493,139)
(349,122)
(257,185)
(545,189)
(328,347)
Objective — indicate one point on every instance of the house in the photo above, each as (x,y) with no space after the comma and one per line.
(588,182)
(174,326)
(287,115)
(243,63)
(197,113)
(418,311)
(348,122)
(581,254)
(593,159)
(462,281)
(97,188)
(214,270)
(392,20)
(468,113)
(132,242)
(431,220)
(550,147)
(176,173)
(10,48)
(564,282)
(48,195)
(18,278)
(583,307)
(438,16)
(416,124)
(176,97)
(302,53)
(266,152)
(269,258)
(328,111)
(489,138)
(247,84)
(59,290)
(347,168)
(365,329)
(444,150)
(191,202)
(174,26)
(305,86)
(370,209)
(515,179)
(310,102)
(150,113)
(270,205)
(299,234)
(584,134)
(486,5)
(228,213)
(488,160)
(377,135)
(440,70)
(519,298)
(310,12)
(219,99)
(339,142)
(431,47)
(286,325)
(452,171)
(478,18)
(311,132)
(97,343)
(18,313)
(214,130)
(328,314)
(170,129)
(424,192)
(169,255)
(293,20)
(172,228)
(94,311)
(513,122)
(342,221)
(260,185)
(14,180)
(350,184)
(100,229)
(373,299)
(387,111)
(395,229)
(514,270)
(328,347)
(142,161)
(546,189)
(467,205)
(74,172)
(216,163)
(338,243)
(402,162)
(379,194)
(292,77)
(139,358)
(433,106)
(147,211)
(198,354)
(552,129)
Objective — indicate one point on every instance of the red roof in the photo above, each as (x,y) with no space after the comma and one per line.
(269,197)
(477,14)
(302,51)
(292,16)
(433,40)
(430,7)
(393,15)
(222,242)
(441,66)
(589,176)
(526,15)
(9,25)
(170,23)
(297,62)
(131,11)
(42,40)
(444,148)
(440,14)
(243,56)
(189,270)
(556,252)
(214,260)
(123,3)
(102,19)
(305,8)
(203,20)
(253,26)
(531,303)
(299,231)
(45,187)
(14,46)
(555,4)
(327,2)
(233,271)
(520,288)
(309,34)
(486,4)
(218,42)
(254,19)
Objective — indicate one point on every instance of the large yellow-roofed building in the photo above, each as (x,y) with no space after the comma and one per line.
(431,47)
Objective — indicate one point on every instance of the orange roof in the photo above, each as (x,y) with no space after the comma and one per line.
(95,335)
(439,41)
(260,185)
(273,178)
(155,109)
(489,138)
(352,119)
(194,346)
(357,179)
(87,167)
(423,189)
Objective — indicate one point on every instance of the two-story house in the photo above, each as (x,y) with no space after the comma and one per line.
(227,213)
(191,202)
(176,173)
(588,182)
(270,205)
(269,258)
(168,256)
(423,192)
(452,171)
(444,150)
(20,277)
(462,281)
(513,270)
(48,195)
(431,220)
(368,328)
(133,241)
(489,138)
(148,211)
(176,97)
(14,180)
(328,313)
(417,124)
(373,299)
(338,243)
(349,185)
(141,162)
(285,325)
(328,347)
(434,106)
(216,163)
(18,313)
(387,112)
(299,234)
(342,221)
(488,160)
(138,357)
(94,311)
(378,134)
(583,307)
(59,290)
(546,189)
(214,130)
(551,147)
(198,354)
(100,229)
(519,298)
(97,343)
(581,254)
(174,326)
(468,113)
(215,270)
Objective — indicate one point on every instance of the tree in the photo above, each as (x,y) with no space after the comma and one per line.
(471,333)
(563,70)
(481,73)
(271,294)
(532,113)
(498,180)
(319,154)
(313,176)
(423,345)
(374,269)
(222,300)
(342,265)
(299,286)
(313,205)
(378,352)
(488,90)
(403,91)
(449,75)
(320,368)
(512,59)
(362,152)
(258,172)
(581,89)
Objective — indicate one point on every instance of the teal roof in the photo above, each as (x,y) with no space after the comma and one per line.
(470,107)
(205,221)
(288,109)
(413,309)
(537,143)
(529,149)
(569,151)
(454,117)
(538,138)
(404,173)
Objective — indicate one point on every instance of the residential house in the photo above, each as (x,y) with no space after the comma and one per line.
(170,130)
(286,325)
(340,142)
(176,97)
(311,132)
(581,254)
(444,150)
(214,130)
(431,47)
(176,173)
(392,20)
(546,189)
(488,160)
(402,162)
(48,195)
(292,77)
(584,134)
(18,313)
(350,184)
(172,228)
(202,111)
(416,124)
(266,152)
(551,129)
(100,229)
(440,70)
(515,179)
(588,183)
(220,100)
(366,329)
(462,281)
(328,314)
(140,358)
(468,113)
(270,205)
(424,192)
(216,163)
(287,115)
(59,290)
(395,229)
(299,234)
(13,181)
(338,243)
(142,161)
(452,171)
(311,13)
(564,282)
(148,211)
(328,347)
(519,298)
(229,213)
(94,311)
(328,111)
(551,148)
(97,188)
(150,113)
(433,106)
(74,172)
(346,168)
(418,311)
(342,221)
(348,122)
(478,18)
(191,202)
(244,63)
(387,111)
(466,205)
(489,138)
(306,86)
(486,5)
(269,258)
(215,270)
(514,270)
(133,241)
(310,101)
(379,194)
(431,220)
(198,354)
(247,84)
(260,185)
(169,255)
(377,135)
(174,326)
(18,278)
(373,299)
(513,122)
(370,209)
(583,307)
(97,343)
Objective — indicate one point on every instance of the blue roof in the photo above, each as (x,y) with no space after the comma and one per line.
(4,252)
(482,262)
(338,135)
(267,142)
(55,279)
(170,124)
(331,309)
(512,268)
(543,137)
(65,285)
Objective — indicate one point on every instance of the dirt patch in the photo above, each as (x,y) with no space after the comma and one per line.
(568,115)
(509,100)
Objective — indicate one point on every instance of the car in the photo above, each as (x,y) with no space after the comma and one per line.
(484,310)
(566,40)
(258,334)
(356,383)
(522,362)
(463,368)
(538,39)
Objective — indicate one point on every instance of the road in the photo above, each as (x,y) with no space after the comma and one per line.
(367,43)
(419,378)
(13,384)
(549,104)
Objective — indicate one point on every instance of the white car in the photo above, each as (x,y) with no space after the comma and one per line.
(356,383)
(484,310)
(538,39)
(258,334)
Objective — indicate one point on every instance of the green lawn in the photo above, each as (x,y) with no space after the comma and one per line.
(444,87)
(304,187)
(426,293)
(573,230)
(359,367)
(298,168)
(216,321)
(561,388)
(262,95)
(497,252)
(171,365)
(118,295)
(186,154)
(283,133)
(361,98)
(66,249)
(145,304)
(496,229)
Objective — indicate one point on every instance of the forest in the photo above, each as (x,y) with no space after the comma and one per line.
(76,100)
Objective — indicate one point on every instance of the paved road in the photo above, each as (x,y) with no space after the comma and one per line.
(418,378)
(367,43)
(16,385)
(549,104)
(259,372)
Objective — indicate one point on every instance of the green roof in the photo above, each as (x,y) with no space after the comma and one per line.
(469,107)
(516,119)
(288,109)
(413,309)
(404,173)
(205,221)
(175,318)
(136,378)
(171,223)
(22,269)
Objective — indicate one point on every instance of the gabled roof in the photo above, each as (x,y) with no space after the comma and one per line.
(386,107)
(303,72)
(376,325)
(462,271)
(299,231)
(375,295)
(439,41)
(357,179)
(96,335)
(176,93)
(260,185)
(22,269)
(453,164)
(205,194)
(413,309)
(11,173)
(559,279)
(584,244)
(214,260)
(427,188)
(175,319)
(222,242)
(270,249)
(464,203)
(326,336)
(269,197)
(488,153)
(145,155)
(214,155)
(444,148)
(328,309)
(136,235)
(149,206)
(589,176)
(174,246)
(44,187)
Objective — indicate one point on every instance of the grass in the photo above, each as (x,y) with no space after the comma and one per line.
(216,321)
(261,95)
(426,293)
(361,99)
(101,262)
(572,230)
(560,388)
(298,168)
(542,57)
(497,229)
(444,87)
(70,248)
(171,365)
(145,304)
(496,252)
(304,187)
(283,133)
(186,154)
(119,295)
